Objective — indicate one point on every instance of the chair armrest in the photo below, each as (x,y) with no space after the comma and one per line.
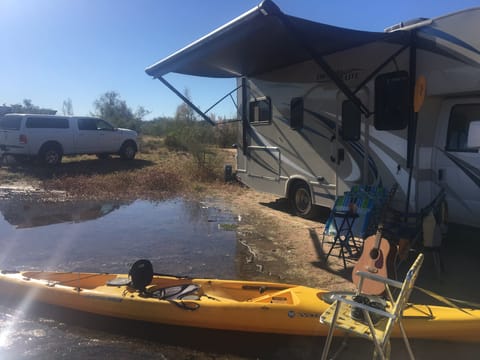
(375,277)
(363,306)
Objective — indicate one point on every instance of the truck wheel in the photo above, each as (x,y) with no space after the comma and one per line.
(128,150)
(51,154)
(301,201)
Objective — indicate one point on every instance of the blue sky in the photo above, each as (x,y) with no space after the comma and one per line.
(52,50)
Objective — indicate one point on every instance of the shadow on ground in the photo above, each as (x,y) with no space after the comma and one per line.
(75,167)
(449,271)
(283,205)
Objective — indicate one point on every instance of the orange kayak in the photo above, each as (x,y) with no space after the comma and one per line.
(249,306)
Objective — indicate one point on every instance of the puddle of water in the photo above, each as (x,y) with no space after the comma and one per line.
(179,237)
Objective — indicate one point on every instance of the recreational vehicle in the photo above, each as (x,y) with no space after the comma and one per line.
(323,108)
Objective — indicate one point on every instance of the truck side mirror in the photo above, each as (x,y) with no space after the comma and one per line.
(351,117)
(473,140)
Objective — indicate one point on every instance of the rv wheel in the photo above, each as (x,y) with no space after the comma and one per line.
(301,201)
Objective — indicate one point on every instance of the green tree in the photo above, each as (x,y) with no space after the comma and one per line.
(28,108)
(116,111)
(185,112)
(67,107)
(157,127)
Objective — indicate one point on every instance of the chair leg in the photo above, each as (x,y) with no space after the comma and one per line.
(378,347)
(405,340)
(437,261)
(335,239)
(386,350)
(342,347)
(328,341)
(342,254)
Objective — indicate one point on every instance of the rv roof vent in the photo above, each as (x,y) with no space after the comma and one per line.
(405,24)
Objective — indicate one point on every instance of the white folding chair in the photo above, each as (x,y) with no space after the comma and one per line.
(339,314)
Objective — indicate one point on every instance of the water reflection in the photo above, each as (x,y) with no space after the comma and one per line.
(31,213)
(178,236)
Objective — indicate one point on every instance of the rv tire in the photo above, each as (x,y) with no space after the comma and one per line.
(301,201)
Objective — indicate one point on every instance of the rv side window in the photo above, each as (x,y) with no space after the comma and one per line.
(351,118)
(458,124)
(392,103)
(296,113)
(46,123)
(260,110)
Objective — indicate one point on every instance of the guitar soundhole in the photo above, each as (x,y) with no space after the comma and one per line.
(374,253)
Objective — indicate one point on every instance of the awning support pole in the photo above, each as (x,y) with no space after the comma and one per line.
(325,67)
(245,123)
(187,101)
(378,69)
(412,122)
(220,100)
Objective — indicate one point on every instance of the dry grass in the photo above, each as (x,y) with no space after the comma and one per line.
(142,183)
(156,173)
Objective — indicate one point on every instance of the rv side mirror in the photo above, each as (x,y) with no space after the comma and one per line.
(351,117)
(296,113)
(473,140)
(392,101)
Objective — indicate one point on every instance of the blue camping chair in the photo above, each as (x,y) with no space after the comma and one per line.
(353,218)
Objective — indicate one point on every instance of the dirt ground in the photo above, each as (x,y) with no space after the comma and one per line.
(281,247)
(286,248)
(290,248)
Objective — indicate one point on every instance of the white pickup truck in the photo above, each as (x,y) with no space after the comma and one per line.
(49,137)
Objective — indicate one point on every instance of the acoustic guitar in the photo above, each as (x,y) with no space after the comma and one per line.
(377,255)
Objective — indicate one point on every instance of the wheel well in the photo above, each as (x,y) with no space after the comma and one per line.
(302,205)
(51,143)
(127,142)
(292,184)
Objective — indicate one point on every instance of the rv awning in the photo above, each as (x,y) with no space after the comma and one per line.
(261,40)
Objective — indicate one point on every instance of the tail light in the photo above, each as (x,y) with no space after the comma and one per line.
(22,138)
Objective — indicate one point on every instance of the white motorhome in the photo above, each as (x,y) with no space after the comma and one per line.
(323,108)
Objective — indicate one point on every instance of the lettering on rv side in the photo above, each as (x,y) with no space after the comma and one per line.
(345,75)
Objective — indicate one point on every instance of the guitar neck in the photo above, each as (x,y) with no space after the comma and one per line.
(378,237)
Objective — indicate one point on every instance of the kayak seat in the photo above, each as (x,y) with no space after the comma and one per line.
(177,292)
(141,274)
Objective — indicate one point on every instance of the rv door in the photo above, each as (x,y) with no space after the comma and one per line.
(456,165)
